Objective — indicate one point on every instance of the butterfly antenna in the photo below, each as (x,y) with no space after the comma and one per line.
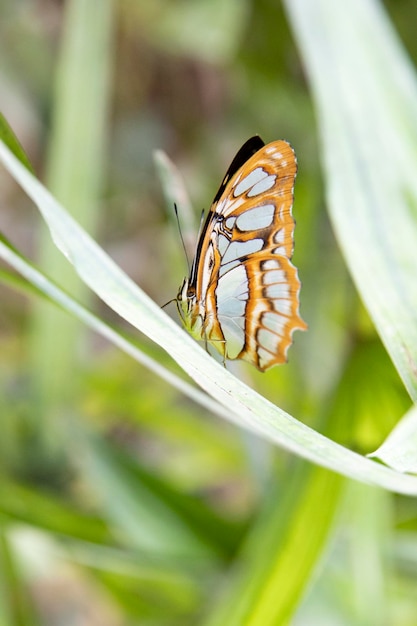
(181,237)
(169,302)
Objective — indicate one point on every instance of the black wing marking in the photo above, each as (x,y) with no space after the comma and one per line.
(249,148)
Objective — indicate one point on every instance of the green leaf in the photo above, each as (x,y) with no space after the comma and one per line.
(74,173)
(10,139)
(399,450)
(176,195)
(48,512)
(16,608)
(268,585)
(365,95)
(148,514)
(369,561)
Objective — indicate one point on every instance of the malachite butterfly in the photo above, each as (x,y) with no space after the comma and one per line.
(242,294)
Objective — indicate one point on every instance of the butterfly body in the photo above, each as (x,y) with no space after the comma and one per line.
(242,292)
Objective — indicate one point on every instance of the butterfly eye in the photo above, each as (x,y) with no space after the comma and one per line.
(183,291)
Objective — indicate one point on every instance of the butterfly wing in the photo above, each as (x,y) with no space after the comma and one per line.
(245,290)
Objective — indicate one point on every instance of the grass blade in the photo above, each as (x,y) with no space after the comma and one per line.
(74,172)
(365,93)
(399,450)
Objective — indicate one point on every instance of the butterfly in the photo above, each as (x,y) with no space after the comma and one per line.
(242,294)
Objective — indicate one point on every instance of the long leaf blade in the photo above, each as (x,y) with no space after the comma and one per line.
(365,93)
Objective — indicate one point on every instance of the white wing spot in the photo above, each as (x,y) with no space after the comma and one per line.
(262,186)
(232,293)
(283,306)
(230,222)
(281,251)
(229,266)
(270,264)
(279,236)
(249,181)
(239,249)
(230,306)
(274,277)
(274,322)
(264,357)
(278,290)
(222,243)
(257,218)
(268,340)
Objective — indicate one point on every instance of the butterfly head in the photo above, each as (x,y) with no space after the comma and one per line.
(187,303)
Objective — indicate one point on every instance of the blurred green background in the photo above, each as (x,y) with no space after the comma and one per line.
(121,502)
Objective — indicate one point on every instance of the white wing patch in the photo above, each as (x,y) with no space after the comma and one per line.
(239,249)
(268,340)
(222,243)
(274,276)
(249,181)
(270,264)
(264,185)
(280,250)
(274,322)
(265,357)
(257,218)
(232,294)
(228,266)
(283,306)
(280,290)
(279,236)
